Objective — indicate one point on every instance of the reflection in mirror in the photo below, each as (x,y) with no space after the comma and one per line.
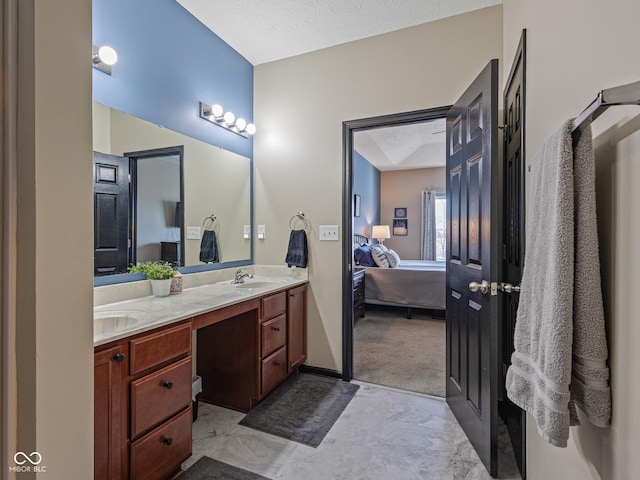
(167,211)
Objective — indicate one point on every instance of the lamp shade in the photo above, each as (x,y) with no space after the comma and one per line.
(380,231)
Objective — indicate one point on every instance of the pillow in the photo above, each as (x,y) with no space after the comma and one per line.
(362,255)
(393,257)
(380,256)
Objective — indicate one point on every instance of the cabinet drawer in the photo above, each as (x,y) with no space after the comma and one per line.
(274,369)
(157,396)
(274,334)
(151,350)
(274,305)
(163,450)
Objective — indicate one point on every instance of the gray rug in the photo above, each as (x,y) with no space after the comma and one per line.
(209,469)
(391,350)
(302,409)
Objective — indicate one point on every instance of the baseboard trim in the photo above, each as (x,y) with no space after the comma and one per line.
(320,371)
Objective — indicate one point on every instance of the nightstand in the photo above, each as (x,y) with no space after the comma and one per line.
(358,293)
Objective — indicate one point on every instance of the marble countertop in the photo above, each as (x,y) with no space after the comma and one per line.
(114,321)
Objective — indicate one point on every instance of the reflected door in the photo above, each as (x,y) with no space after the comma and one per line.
(111,213)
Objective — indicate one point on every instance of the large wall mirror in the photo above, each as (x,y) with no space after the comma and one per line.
(156,194)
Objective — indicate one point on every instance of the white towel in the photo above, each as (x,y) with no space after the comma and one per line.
(590,375)
(560,343)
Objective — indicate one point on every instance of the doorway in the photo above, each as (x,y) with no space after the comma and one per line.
(399,189)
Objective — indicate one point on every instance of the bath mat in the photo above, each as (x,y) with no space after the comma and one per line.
(209,469)
(303,409)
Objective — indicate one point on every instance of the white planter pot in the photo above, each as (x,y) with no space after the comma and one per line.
(160,288)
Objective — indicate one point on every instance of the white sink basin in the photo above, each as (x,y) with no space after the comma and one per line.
(112,322)
(257,284)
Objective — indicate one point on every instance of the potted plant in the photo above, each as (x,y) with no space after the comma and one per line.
(160,274)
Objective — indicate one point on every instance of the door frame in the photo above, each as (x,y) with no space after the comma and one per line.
(348,128)
(177,151)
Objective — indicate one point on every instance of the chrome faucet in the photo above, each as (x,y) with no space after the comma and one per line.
(240,276)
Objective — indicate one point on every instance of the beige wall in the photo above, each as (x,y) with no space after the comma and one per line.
(300,104)
(576,48)
(53,289)
(403,188)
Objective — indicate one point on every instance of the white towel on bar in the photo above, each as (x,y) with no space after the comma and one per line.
(560,341)
(589,375)
(540,372)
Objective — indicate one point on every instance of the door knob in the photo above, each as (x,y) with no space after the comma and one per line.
(509,288)
(482,287)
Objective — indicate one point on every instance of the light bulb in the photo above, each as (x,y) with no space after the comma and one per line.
(241,123)
(229,118)
(107,55)
(251,129)
(217,110)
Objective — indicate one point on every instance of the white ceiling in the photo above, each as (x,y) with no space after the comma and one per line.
(267,30)
(417,145)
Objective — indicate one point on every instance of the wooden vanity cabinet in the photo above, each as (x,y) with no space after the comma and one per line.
(242,357)
(109,417)
(143,405)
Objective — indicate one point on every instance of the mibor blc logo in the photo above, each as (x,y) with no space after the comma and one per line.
(28,463)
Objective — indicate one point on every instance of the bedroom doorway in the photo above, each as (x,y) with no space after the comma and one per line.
(397,338)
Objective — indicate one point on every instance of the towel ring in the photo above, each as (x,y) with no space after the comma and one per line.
(295,219)
(213,222)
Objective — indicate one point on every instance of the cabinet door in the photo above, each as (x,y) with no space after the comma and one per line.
(108,413)
(297,326)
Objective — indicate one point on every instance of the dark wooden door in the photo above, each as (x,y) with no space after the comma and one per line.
(111,213)
(513,238)
(472,263)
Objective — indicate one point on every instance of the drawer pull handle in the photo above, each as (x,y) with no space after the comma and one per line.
(292,294)
(167,441)
(277,329)
(168,385)
(119,357)
(277,364)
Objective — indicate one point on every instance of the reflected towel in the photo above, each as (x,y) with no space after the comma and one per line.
(209,252)
(297,253)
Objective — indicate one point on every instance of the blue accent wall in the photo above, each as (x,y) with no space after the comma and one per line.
(366,183)
(168,62)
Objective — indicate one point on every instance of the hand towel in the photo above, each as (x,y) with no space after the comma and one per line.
(209,252)
(297,252)
(540,372)
(589,374)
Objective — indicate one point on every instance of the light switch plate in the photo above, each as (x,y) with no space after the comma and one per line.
(261,232)
(247,231)
(193,233)
(329,232)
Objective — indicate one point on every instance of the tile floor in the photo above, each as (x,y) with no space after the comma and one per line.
(382,434)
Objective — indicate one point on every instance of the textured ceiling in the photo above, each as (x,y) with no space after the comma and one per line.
(418,145)
(267,30)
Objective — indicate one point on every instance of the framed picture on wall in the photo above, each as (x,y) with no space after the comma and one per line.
(400,212)
(356,205)
(400,227)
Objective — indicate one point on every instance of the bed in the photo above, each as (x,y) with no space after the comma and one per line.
(412,284)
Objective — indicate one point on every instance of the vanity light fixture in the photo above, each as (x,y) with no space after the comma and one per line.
(103,58)
(216,115)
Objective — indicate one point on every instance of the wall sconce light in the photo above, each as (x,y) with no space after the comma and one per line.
(380,232)
(216,115)
(103,58)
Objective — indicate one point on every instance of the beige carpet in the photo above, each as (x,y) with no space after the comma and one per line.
(393,351)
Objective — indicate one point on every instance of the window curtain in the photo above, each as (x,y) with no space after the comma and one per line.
(428,227)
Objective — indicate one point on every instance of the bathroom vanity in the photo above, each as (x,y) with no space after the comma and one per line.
(250,338)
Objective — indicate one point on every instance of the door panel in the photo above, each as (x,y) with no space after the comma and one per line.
(473,239)
(111,213)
